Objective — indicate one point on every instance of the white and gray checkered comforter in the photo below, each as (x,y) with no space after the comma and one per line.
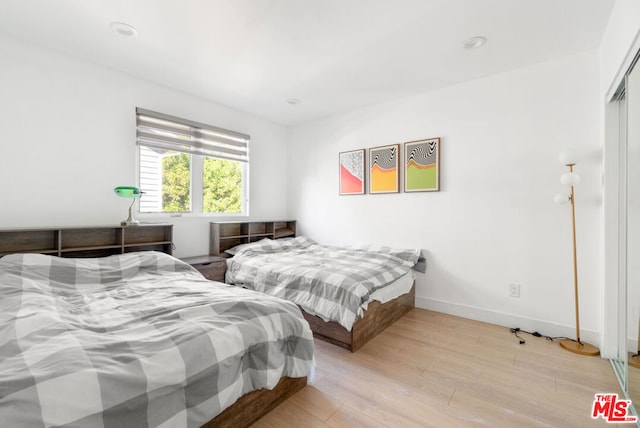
(135,340)
(334,283)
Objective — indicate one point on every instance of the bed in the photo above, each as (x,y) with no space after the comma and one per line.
(347,294)
(141,339)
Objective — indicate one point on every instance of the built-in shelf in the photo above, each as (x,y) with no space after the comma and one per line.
(228,234)
(88,241)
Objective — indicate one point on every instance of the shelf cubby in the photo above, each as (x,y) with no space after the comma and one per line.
(90,237)
(29,241)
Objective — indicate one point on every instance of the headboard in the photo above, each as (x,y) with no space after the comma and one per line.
(96,241)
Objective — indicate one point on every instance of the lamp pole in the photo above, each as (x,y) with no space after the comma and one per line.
(575,258)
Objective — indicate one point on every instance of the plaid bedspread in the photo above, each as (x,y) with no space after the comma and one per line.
(135,340)
(331,282)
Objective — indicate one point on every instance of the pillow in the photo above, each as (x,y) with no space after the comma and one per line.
(233,250)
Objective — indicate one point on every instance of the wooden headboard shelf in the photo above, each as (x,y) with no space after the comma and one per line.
(228,234)
(88,241)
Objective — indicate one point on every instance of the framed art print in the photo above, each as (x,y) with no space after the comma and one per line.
(352,172)
(422,165)
(384,169)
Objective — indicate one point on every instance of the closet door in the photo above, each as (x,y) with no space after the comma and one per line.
(620,360)
(633,230)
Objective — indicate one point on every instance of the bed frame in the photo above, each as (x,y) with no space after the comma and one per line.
(375,319)
(108,240)
(254,405)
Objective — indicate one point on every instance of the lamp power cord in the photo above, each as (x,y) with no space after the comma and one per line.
(517,330)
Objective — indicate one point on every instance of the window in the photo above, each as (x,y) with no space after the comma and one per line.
(187,166)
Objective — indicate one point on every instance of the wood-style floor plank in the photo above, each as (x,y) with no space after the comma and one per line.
(436,370)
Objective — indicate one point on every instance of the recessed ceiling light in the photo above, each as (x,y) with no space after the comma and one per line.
(475,42)
(294,101)
(123,29)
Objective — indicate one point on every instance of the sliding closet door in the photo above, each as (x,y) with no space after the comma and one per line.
(633,230)
(620,360)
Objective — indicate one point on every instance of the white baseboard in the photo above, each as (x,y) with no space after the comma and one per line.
(507,320)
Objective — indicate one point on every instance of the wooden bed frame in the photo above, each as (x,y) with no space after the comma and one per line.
(107,240)
(254,405)
(375,319)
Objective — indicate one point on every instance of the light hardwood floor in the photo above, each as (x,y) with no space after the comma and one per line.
(436,370)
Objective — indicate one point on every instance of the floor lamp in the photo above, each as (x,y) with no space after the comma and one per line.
(571,179)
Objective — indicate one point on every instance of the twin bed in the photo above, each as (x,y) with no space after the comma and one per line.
(347,294)
(138,339)
(142,339)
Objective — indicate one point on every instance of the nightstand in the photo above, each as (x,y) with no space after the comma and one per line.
(211,267)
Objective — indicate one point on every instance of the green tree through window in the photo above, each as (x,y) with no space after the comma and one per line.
(222,186)
(176,182)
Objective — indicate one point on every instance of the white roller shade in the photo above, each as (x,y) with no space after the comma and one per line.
(161,131)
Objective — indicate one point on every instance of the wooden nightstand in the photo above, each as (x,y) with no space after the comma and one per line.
(211,267)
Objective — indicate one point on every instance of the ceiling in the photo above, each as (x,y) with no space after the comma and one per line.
(332,55)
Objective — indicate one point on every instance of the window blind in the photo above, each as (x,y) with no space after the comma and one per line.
(161,131)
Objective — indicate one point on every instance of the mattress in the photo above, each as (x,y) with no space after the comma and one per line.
(394,290)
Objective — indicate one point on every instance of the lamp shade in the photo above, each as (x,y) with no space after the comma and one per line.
(560,199)
(569,179)
(128,191)
(567,157)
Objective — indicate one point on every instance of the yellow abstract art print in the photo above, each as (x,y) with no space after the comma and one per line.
(384,169)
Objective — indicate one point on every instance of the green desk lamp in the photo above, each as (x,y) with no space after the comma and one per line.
(129,192)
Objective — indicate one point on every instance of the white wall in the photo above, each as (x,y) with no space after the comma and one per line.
(494,221)
(69,139)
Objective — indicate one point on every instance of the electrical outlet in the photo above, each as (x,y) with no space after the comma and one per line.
(514,290)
